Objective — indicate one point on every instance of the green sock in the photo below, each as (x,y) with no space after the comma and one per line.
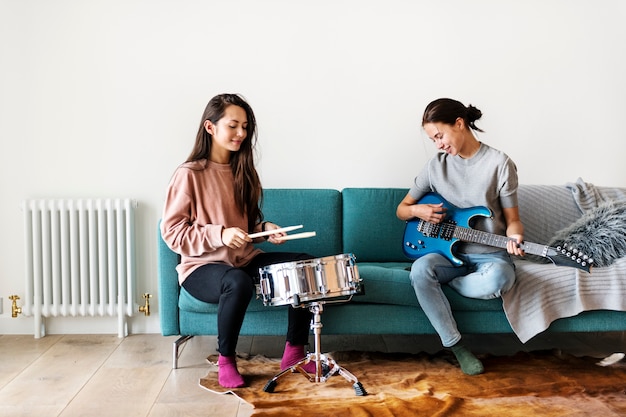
(470,364)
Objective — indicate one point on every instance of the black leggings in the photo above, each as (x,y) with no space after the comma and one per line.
(232,289)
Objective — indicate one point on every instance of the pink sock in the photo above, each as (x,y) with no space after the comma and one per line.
(292,355)
(227,374)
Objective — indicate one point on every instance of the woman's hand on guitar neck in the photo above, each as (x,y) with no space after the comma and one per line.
(514,231)
(513,246)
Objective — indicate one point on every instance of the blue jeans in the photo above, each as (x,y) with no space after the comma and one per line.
(482,276)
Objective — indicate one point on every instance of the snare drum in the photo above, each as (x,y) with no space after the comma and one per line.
(310,280)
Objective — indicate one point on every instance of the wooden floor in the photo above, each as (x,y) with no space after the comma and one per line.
(95,375)
(103,375)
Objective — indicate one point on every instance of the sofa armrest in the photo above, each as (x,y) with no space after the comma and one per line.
(169,289)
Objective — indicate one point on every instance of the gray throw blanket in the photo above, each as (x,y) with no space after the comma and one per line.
(587,196)
(544,293)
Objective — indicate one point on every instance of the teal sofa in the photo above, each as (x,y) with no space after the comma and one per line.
(362,221)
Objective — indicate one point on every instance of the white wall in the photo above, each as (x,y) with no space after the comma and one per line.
(103,98)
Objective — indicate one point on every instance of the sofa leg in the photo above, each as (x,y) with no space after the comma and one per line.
(177,349)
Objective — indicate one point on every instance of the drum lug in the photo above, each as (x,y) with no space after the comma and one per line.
(321,276)
(287,284)
(265,289)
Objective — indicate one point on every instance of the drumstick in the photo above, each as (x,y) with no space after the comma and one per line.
(271,232)
(296,236)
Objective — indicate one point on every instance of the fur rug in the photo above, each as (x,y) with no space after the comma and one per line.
(600,233)
(543,384)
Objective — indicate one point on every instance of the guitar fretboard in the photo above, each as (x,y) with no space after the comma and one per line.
(449,230)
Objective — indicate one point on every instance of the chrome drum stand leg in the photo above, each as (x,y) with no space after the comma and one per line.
(325,367)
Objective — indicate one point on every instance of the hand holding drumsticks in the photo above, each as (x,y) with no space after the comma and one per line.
(272,229)
(278,235)
(234,237)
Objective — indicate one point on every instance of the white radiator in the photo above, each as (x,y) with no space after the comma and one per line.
(80,259)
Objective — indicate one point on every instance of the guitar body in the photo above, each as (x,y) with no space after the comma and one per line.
(421,238)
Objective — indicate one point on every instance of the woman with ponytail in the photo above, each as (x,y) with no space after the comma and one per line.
(467,173)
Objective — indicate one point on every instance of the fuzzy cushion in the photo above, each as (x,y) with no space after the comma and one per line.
(600,233)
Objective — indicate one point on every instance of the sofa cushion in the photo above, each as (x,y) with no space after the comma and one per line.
(318,210)
(371,230)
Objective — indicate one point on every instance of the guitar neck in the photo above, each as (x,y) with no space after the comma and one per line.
(478,236)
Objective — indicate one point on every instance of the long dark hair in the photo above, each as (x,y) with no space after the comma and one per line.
(248,190)
(447,110)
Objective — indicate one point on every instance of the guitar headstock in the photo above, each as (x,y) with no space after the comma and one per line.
(569,256)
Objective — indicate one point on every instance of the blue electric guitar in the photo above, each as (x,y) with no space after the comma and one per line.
(421,237)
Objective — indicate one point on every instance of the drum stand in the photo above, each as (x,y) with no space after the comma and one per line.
(325,367)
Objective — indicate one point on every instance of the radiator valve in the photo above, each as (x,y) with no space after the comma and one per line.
(15,310)
(145,309)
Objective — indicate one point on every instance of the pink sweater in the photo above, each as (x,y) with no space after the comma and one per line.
(199,204)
